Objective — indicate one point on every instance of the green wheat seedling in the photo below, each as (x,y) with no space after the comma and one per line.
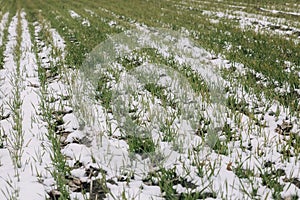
(39,154)
(16,141)
(4,38)
(59,169)
(11,191)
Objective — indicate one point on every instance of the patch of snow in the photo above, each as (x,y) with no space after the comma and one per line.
(34,159)
(32,130)
(58,41)
(200,61)
(112,23)
(89,11)
(75,15)
(279,11)
(257,22)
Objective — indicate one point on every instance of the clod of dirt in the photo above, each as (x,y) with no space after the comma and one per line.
(294,181)
(112,182)
(272,113)
(201,132)
(195,195)
(75,185)
(93,171)
(269,164)
(54,194)
(85,140)
(185,183)
(284,128)
(51,75)
(62,112)
(3,117)
(279,172)
(291,197)
(59,121)
(96,189)
(63,137)
(78,164)
(125,177)
(59,129)
(229,166)
(34,85)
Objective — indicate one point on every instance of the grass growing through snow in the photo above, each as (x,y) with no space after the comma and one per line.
(17,137)
(59,170)
(258,52)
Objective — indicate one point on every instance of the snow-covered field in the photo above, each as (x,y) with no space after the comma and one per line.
(146,100)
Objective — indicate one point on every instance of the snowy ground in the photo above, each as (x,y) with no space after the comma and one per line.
(56,139)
